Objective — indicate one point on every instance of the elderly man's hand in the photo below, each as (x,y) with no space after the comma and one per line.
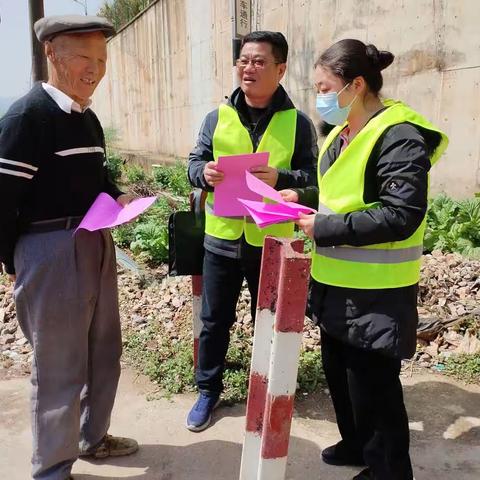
(212,176)
(125,199)
(266,174)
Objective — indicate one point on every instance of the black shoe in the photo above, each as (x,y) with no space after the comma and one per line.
(339,455)
(364,475)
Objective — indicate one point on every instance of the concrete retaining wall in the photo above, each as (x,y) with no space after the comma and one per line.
(172,65)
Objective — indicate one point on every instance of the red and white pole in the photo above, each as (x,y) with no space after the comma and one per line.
(196,309)
(276,347)
(284,358)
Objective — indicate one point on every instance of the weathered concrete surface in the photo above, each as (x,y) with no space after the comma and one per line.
(445,435)
(173,64)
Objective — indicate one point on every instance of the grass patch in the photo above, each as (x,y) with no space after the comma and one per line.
(169,363)
(166,362)
(464,367)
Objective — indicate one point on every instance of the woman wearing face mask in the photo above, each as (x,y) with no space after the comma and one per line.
(368,234)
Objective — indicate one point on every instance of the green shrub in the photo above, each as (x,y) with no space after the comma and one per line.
(173,178)
(310,371)
(151,243)
(134,173)
(124,235)
(453,226)
(307,242)
(114,165)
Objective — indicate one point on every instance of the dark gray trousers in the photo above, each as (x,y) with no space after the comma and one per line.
(67,306)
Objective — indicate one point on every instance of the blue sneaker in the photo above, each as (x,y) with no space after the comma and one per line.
(200,415)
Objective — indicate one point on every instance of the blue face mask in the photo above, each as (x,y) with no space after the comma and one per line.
(329,109)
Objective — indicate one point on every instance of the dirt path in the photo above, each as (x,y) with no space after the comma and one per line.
(444,417)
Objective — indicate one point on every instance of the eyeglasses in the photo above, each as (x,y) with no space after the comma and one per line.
(257,63)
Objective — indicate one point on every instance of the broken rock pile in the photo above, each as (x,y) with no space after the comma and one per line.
(449,308)
(15,351)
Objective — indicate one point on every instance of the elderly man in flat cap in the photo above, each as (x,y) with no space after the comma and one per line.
(52,167)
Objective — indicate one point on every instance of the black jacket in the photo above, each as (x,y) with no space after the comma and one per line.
(304,159)
(384,320)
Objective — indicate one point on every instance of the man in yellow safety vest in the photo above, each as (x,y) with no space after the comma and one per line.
(258,117)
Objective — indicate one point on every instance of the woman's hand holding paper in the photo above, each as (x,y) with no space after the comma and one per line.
(307,224)
(289,195)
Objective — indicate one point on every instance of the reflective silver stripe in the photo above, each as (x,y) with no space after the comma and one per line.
(323,209)
(77,151)
(209,209)
(18,164)
(16,174)
(372,255)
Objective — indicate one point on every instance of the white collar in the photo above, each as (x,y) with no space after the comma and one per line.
(63,100)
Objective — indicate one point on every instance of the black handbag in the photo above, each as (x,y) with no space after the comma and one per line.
(186,231)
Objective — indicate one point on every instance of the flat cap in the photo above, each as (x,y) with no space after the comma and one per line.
(48,27)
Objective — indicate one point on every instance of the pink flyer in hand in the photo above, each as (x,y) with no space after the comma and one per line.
(234,185)
(265,214)
(105,212)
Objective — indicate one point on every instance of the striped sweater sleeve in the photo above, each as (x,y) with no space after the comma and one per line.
(18,167)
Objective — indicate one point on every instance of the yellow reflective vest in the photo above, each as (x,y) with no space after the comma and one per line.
(341,189)
(232,138)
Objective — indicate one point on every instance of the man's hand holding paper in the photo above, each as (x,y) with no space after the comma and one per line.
(266,174)
(213,176)
(234,186)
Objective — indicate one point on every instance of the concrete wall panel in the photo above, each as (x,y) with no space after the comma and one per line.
(173,64)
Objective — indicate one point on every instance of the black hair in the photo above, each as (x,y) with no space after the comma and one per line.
(352,58)
(275,39)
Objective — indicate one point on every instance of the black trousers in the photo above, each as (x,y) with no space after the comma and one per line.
(222,282)
(368,401)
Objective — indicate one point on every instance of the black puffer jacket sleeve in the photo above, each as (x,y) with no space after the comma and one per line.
(396,177)
(202,152)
